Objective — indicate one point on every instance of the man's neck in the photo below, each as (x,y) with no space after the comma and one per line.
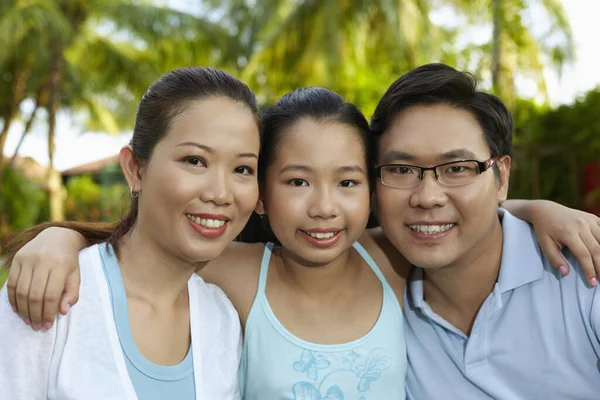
(456,292)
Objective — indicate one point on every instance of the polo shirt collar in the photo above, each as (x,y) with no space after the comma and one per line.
(522,260)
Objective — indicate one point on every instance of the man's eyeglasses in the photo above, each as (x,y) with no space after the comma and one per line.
(455,173)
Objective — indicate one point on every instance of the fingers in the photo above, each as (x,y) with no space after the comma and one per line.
(592,242)
(11,284)
(22,294)
(37,292)
(552,251)
(54,292)
(580,247)
(70,295)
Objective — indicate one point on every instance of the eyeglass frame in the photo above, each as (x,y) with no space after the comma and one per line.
(482,166)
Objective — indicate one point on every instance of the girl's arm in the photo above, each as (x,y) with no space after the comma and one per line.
(557,226)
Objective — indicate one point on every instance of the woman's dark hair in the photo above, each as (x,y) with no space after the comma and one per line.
(164,100)
(312,102)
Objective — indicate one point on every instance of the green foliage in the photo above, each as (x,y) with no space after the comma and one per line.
(3,275)
(557,143)
(88,201)
(20,201)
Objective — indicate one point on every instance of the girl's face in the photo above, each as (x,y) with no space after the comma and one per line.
(316,192)
(200,186)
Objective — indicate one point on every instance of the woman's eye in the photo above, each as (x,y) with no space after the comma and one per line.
(194,160)
(348,183)
(244,170)
(298,182)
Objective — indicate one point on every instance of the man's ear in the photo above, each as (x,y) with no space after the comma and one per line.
(504,168)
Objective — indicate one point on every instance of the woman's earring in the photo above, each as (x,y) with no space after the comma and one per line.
(132,193)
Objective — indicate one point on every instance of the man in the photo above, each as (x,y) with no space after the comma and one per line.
(487,316)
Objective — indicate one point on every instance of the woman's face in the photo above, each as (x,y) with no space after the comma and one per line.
(200,186)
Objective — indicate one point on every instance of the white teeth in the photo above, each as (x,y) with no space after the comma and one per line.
(430,229)
(320,235)
(209,223)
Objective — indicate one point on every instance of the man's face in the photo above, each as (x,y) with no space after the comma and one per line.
(433,225)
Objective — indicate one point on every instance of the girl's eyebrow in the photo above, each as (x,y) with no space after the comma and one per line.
(351,168)
(296,167)
(306,168)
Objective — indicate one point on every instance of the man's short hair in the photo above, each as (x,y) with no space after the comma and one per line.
(433,84)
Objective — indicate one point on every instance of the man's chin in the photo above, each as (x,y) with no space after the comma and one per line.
(427,261)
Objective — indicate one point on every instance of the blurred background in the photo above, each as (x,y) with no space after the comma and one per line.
(73,71)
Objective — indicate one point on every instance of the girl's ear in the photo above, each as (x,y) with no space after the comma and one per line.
(260,207)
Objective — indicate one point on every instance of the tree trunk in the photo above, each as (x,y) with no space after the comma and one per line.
(3,135)
(496,46)
(25,132)
(55,188)
(19,85)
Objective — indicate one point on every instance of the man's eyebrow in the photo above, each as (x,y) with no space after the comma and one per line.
(394,155)
(457,154)
(462,154)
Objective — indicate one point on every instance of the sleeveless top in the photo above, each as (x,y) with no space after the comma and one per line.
(280,366)
(150,380)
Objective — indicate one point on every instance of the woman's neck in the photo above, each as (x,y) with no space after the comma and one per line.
(150,273)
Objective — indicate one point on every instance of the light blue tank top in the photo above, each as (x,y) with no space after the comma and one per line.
(150,381)
(276,365)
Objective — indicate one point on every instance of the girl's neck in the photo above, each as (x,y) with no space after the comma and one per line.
(317,279)
(150,273)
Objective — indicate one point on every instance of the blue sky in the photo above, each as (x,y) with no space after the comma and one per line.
(74,148)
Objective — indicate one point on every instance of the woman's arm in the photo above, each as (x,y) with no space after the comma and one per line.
(557,226)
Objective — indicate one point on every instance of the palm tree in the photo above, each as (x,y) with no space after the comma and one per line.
(353,46)
(517,47)
(83,59)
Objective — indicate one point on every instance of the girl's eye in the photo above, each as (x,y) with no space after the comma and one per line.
(195,160)
(244,170)
(348,183)
(298,182)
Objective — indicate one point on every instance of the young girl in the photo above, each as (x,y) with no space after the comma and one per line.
(146,326)
(321,312)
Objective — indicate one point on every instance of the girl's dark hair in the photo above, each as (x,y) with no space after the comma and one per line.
(311,102)
(164,100)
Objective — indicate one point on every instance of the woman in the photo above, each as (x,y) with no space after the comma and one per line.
(146,326)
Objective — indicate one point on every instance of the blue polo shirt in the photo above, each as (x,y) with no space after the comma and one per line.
(536,335)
